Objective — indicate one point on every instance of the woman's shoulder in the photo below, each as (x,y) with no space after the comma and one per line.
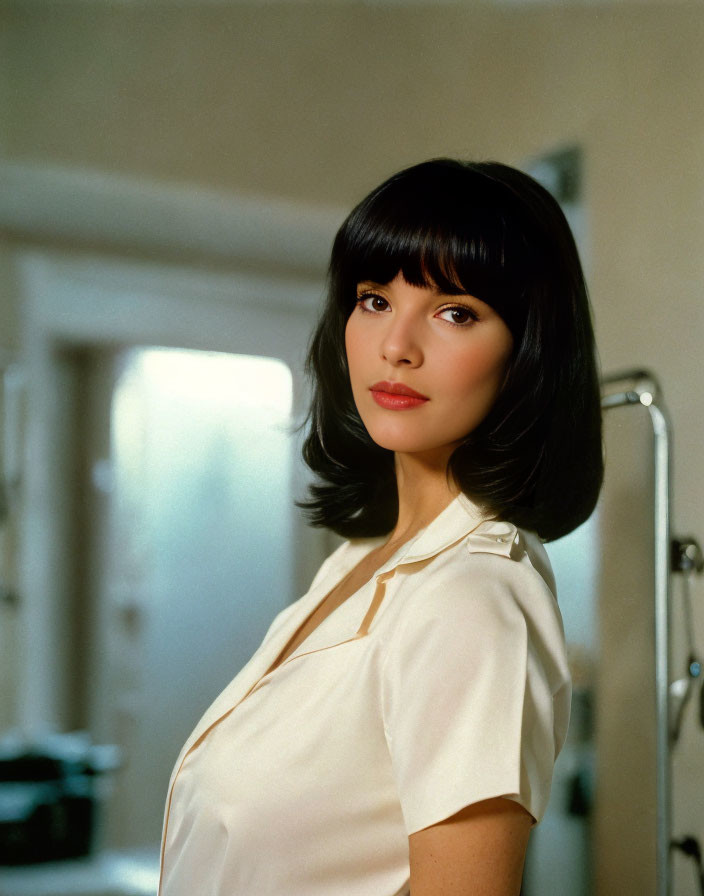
(496,577)
(494,555)
(524,548)
(487,603)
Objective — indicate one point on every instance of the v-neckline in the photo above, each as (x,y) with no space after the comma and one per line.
(289,652)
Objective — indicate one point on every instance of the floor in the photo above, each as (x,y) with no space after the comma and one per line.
(106,874)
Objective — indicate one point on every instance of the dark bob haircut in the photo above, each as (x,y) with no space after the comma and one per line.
(493,232)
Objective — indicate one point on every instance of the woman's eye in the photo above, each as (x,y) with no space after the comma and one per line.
(372,302)
(458,314)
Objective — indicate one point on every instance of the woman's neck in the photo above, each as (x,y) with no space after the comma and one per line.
(424,491)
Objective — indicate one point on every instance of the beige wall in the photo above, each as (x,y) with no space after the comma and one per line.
(318,102)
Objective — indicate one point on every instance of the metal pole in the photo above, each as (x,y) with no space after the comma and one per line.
(662,643)
(645,390)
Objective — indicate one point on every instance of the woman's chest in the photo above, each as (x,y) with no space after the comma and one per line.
(303,759)
(320,711)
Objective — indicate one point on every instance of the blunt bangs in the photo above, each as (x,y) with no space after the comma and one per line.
(461,241)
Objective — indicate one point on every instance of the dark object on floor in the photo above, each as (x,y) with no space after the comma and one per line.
(48,800)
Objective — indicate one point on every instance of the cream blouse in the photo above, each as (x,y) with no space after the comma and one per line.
(441,682)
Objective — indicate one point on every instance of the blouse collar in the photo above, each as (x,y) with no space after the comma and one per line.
(462,518)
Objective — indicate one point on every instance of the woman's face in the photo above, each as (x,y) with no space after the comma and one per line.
(425,367)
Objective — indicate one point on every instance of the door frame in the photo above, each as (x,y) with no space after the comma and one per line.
(75,297)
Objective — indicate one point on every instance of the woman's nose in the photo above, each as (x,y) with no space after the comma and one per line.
(401,344)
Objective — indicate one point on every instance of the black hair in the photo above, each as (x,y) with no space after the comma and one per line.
(493,232)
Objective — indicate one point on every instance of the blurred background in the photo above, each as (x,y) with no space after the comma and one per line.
(171,177)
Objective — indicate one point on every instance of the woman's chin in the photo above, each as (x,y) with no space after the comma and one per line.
(420,447)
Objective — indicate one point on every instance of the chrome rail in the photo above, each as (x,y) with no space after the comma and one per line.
(643,388)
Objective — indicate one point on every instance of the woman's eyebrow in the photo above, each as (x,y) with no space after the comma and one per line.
(455,294)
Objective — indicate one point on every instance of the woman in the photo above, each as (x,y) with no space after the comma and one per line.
(397,729)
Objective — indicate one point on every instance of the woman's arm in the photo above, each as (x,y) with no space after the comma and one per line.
(477,852)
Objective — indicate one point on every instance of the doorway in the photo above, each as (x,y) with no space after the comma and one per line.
(120,492)
(185,554)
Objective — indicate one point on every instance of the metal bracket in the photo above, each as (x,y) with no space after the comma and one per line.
(686,555)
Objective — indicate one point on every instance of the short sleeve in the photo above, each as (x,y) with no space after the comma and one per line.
(475,690)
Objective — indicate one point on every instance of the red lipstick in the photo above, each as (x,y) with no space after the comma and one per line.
(397,396)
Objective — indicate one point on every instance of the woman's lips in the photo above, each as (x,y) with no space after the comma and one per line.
(396,396)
